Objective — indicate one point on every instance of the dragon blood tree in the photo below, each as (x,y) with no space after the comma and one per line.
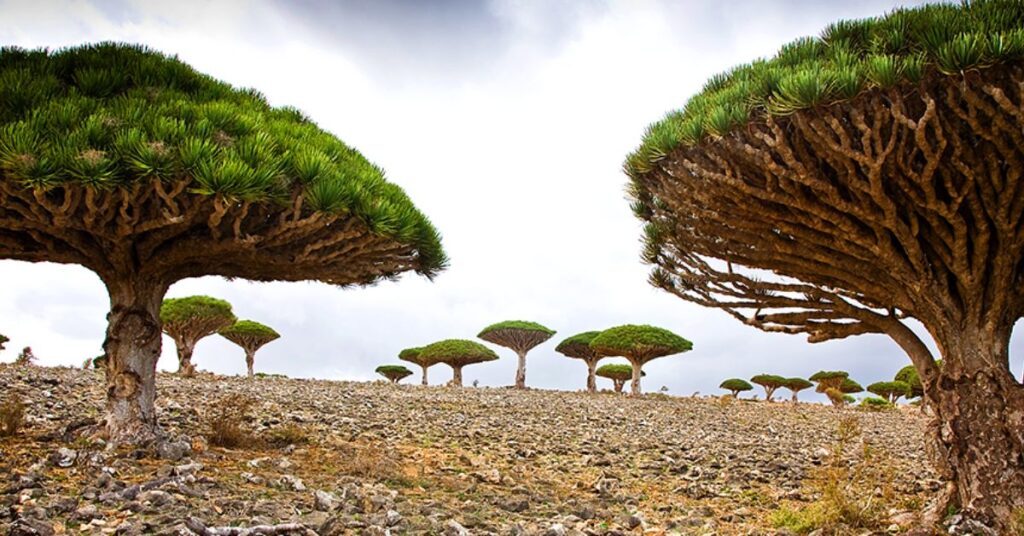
(908,375)
(638,344)
(188,320)
(795,385)
(3,340)
(412,355)
(457,353)
(891,391)
(853,183)
(519,335)
(835,384)
(735,386)
(137,167)
(578,347)
(618,373)
(770,383)
(251,336)
(394,373)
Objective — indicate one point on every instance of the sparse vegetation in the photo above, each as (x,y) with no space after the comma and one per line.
(795,385)
(25,357)
(836,385)
(638,344)
(735,386)
(770,383)
(890,391)
(3,340)
(12,415)
(457,353)
(876,404)
(287,434)
(226,424)
(394,373)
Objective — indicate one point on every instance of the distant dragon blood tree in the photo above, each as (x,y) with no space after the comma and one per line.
(835,384)
(457,353)
(856,182)
(638,344)
(795,385)
(137,167)
(394,373)
(3,340)
(618,373)
(770,383)
(519,335)
(251,336)
(189,319)
(890,391)
(412,355)
(735,386)
(908,375)
(578,347)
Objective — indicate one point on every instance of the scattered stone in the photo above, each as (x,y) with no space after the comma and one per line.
(324,501)
(173,451)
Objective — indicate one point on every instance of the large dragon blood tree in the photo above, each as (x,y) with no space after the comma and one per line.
(457,353)
(412,355)
(855,182)
(519,335)
(578,347)
(189,319)
(137,167)
(639,344)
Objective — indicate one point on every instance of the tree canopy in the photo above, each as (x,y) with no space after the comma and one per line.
(770,382)
(3,340)
(736,385)
(578,345)
(797,384)
(641,342)
(615,371)
(890,391)
(412,355)
(522,325)
(394,373)
(248,329)
(175,311)
(457,352)
(520,336)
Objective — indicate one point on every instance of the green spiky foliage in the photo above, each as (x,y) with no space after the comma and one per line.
(639,344)
(457,353)
(891,391)
(412,355)
(795,385)
(190,319)
(3,340)
(394,373)
(132,164)
(578,347)
(848,58)
(770,383)
(849,386)
(519,335)
(876,404)
(834,384)
(735,386)
(618,373)
(250,336)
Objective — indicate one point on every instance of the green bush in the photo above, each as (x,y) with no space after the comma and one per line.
(876,404)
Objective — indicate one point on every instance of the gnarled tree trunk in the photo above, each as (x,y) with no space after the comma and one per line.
(978,426)
(592,375)
(185,348)
(619,384)
(521,370)
(635,385)
(456,376)
(132,347)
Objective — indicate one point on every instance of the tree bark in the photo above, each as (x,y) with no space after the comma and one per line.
(132,347)
(424,382)
(185,349)
(637,372)
(592,376)
(250,360)
(769,393)
(521,370)
(978,428)
(619,384)
(457,376)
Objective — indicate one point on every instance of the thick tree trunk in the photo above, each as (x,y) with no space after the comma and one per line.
(250,360)
(424,382)
(185,349)
(769,393)
(619,384)
(635,385)
(592,376)
(132,347)
(978,429)
(521,370)
(794,399)
(457,376)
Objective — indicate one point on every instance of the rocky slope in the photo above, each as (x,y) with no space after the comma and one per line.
(360,458)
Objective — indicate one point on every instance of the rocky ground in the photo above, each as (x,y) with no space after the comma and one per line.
(370,458)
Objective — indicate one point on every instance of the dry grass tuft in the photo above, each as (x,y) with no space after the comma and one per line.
(370,460)
(227,426)
(287,434)
(12,415)
(854,488)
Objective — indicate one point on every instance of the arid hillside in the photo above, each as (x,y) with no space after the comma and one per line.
(327,457)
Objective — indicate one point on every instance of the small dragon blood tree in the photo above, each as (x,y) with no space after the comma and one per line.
(188,320)
(891,391)
(639,344)
(835,384)
(412,355)
(735,386)
(861,182)
(519,335)
(251,336)
(394,373)
(795,385)
(618,373)
(770,383)
(578,347)
(457,353)
(137,167)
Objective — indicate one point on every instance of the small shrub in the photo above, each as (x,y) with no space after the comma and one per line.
(25,358)
(876,404)
(373,461)
(287,434)
(227,423)
(12,415)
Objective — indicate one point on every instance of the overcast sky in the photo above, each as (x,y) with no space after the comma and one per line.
(506,122)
